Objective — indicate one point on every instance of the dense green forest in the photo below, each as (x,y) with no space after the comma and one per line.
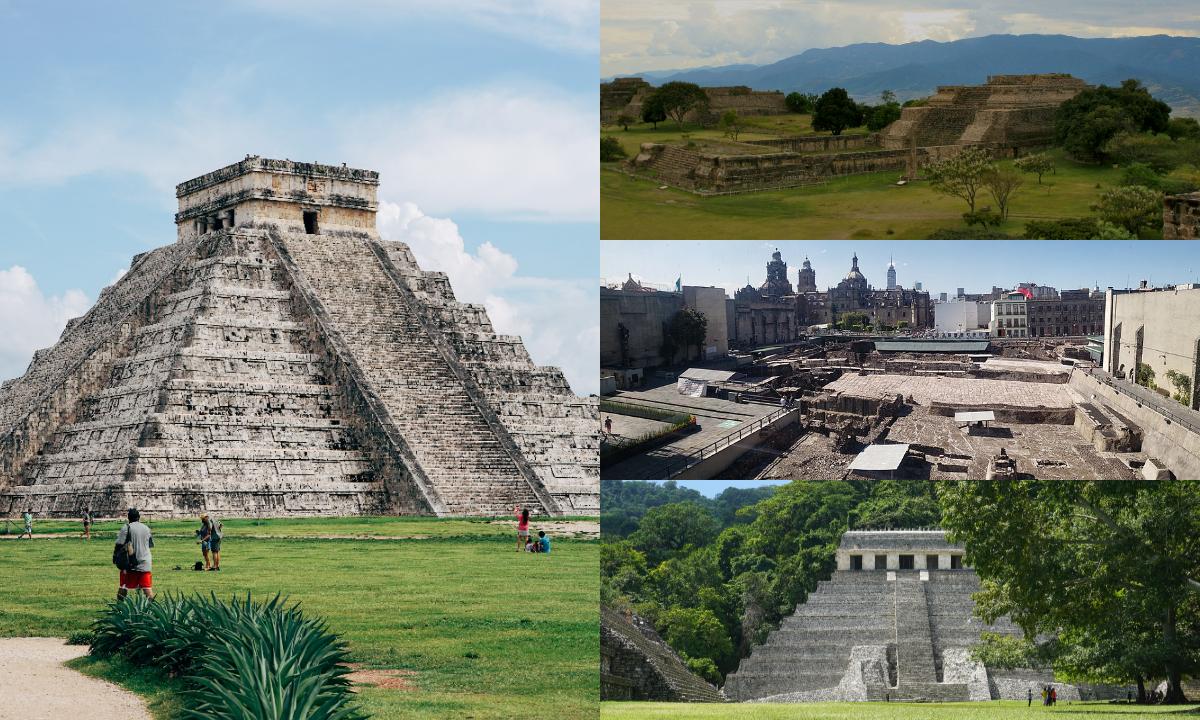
(1109,571)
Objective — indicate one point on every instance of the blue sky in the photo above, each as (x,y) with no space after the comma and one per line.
(941,266)
(479,115)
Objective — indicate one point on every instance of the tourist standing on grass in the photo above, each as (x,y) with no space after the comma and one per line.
(210,542)
(1030,691)
(522,528)
(87,523)
(27,516)
(138,536)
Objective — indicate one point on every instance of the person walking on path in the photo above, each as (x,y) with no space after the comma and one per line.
(608,425)
(27,516)
(139,540)
(1030,692)
(522,528)
(87,523)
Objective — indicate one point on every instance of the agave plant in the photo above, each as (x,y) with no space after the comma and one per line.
(243,659)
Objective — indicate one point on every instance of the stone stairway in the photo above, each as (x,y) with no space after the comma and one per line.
(218,405)
(457,449)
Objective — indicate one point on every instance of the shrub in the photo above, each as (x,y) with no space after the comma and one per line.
(240,659)
(800,102)
(984,217)
(967,234)
(610,149)
(1141,174)
(1136,208)
(1183,128)
(1160,152)
(1180,180)
(1068,229)
(882,116)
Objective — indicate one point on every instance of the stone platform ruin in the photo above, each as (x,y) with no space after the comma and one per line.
(635,664)
(280,359)
(894,622)
(1008,116)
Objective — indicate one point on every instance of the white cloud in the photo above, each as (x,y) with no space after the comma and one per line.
(500,150)
(557,24)
(557,319)
(29,319)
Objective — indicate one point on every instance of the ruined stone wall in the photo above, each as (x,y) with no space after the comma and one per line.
(1181,217)
(1010,413)
(820,143)
(622,96)
(740,99)
(706,173)
(637,665)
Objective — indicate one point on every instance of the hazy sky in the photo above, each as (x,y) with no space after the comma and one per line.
(942,266)
(478,114)
(636,35)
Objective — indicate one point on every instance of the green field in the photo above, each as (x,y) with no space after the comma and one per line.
(485,631)
(855,207)
(998,710)
(764,127)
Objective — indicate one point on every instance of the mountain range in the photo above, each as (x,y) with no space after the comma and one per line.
(1168,65)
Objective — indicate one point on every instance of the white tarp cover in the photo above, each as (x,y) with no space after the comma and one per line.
(977,416)
(707,375)
(691,388)
(880,457)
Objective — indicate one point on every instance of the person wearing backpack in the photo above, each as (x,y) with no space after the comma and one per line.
(211,532)
(132,557)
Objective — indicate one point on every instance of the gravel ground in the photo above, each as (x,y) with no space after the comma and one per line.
(34,685)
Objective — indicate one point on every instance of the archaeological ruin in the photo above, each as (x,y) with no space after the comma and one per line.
(1009,115)
(1181,217)
(894,622)
(624,96)
(635,664)
(280,358)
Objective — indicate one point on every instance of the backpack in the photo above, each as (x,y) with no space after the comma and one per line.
(124,554)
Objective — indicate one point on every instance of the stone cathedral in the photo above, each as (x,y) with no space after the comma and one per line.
(280,358)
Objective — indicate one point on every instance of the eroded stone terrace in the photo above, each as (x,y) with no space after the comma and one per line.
(956,391)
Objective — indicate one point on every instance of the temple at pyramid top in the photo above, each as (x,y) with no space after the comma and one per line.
(299,196)
(280,358)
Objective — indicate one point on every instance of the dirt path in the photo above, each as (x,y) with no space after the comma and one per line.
(34,685)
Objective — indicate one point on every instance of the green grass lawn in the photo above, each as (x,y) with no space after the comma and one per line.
(855,207)
(488,632)
(758,127)
(997,710)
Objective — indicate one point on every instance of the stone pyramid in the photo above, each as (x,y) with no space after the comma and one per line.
(894,622)
(281,359)
(635,664)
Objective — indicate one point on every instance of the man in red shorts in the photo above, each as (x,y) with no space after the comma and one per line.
(139,535)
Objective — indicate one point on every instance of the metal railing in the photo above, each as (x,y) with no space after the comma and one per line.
(674,467)
(1166,407)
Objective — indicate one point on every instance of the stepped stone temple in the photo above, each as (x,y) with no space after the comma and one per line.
(280,358)
(635,664)
(893,623)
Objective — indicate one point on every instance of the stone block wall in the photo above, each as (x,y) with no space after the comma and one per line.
(637,665)
(1181,217)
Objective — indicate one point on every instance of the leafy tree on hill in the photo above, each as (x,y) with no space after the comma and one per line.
(1092,561)
(961,176)
(652,110)
(668,529)
(678,98)
(1137,209)
(882,116)
(610,149)
(623,503)
(835,112)
(1159,152)
(1038,163)
(625,120)
(1183,128)
(1001,184)
(699,635)
(688,327)
(1087,121)
(801,103)
(731,124)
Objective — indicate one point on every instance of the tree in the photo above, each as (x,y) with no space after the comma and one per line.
(1137,209)
(1088,559)
(678,98)
(1160,152)
(883,116)
(888,97)
(669,529)
(800,102)
(835,112)
(688,327)
(697,633)
(961,176)
(1001,184)
(1039,163)
(854,320)
(652,110)
(625,120)
(1183,128)
(1141,174)
(610,149)
(1183,387)
(1087,121)
(731,124)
